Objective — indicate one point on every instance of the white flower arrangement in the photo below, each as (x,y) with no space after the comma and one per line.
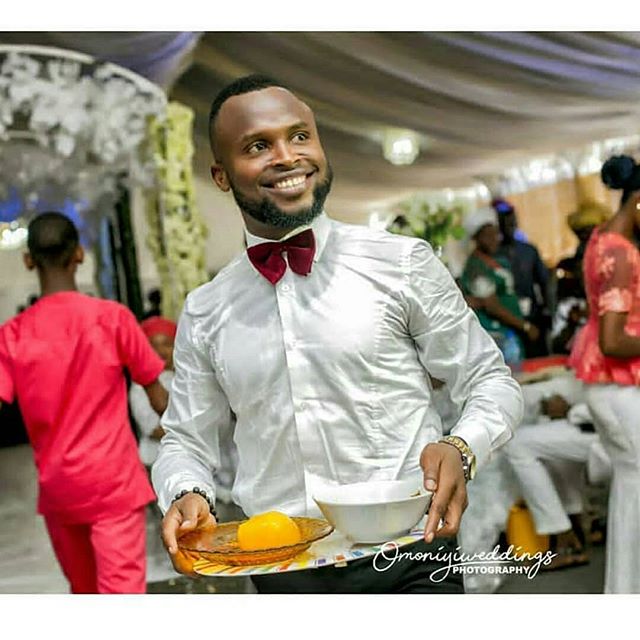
(75,106)
(71,127)
(177,231)
(435,223)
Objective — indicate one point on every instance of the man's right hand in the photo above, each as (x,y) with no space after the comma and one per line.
(188,515)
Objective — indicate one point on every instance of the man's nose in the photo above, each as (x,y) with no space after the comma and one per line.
(284,153)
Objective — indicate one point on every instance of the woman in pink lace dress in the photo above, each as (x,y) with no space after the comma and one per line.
(606,356)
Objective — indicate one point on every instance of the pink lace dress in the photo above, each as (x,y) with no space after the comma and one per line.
(612,281)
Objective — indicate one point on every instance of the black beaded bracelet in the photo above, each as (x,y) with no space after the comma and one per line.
(200,492)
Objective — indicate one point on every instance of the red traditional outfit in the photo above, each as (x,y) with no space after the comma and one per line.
(612,281)
(612,278)
(63,359)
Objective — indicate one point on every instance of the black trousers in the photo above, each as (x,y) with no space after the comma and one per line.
(404,575)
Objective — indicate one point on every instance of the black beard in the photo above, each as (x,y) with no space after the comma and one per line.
(268,213)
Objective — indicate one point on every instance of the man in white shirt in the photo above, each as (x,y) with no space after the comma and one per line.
(320,339)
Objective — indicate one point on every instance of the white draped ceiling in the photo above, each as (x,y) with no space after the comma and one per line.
(480,102)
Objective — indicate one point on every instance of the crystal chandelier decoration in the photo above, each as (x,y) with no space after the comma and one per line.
(70,128)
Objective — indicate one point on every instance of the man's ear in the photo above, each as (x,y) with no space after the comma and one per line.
(219,176)
(78,255)
(28,261)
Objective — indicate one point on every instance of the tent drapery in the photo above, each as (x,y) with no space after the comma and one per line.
(481,102)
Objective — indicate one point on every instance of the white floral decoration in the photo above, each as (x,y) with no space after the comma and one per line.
(177,231)
(70,126)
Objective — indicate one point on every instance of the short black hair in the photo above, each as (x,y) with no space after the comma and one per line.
(52,240)
(246,84)
(621,172)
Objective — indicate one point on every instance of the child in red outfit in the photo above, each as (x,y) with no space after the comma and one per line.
(63,359)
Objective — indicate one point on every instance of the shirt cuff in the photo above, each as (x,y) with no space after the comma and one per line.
(165,498)
(478,440)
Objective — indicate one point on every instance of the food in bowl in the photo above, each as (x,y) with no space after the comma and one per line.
(376,511)
(268,531)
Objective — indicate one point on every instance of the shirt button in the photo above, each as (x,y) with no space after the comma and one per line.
(303,406)
(286,287)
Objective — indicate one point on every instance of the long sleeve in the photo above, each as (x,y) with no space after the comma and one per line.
(198,410)
(453,347)
(136,353)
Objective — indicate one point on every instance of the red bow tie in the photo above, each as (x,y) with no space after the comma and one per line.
(268,260)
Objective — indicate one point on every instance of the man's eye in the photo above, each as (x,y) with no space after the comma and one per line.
(301,136)
(256,147)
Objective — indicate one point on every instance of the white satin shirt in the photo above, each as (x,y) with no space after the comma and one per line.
(327,373)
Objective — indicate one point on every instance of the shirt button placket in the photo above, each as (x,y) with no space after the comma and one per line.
(285,295)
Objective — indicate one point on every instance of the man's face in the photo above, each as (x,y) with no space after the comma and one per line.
(268,153)
(508,225)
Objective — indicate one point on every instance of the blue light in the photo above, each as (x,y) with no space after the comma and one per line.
(14,207)
(11,208)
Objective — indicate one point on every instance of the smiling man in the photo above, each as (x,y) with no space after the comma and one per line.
(249,129)
(321,338)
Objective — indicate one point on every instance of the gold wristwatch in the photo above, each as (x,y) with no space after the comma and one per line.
(468,457)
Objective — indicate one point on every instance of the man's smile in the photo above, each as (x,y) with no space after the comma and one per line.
(290,184)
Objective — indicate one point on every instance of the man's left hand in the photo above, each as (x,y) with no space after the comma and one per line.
(443,474)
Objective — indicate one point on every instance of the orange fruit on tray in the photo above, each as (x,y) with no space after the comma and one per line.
(268,531)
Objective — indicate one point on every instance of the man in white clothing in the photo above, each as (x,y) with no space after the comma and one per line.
(320,338)
(552,458)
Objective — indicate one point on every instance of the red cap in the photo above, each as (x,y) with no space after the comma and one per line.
(159,326)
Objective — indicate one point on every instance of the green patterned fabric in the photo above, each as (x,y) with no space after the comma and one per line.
(481,281)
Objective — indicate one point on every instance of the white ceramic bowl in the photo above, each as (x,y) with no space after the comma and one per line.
(377,511)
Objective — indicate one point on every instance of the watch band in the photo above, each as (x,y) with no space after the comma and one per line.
(467,455)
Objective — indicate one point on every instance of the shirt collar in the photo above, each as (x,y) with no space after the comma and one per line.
(320,226)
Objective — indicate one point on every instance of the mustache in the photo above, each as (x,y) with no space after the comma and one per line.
(267,212)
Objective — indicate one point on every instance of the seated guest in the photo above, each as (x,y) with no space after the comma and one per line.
(549,454)
(567,284)
(488,285)
(569,270)
(569,316)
